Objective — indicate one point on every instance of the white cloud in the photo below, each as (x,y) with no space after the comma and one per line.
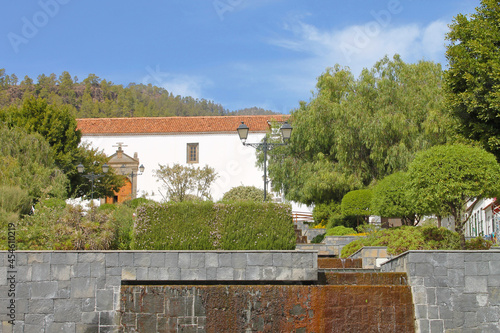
(433,40)
(177,84)
(360,46)
(185,85)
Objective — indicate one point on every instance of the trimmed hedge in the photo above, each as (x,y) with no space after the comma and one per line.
(214,226)
(340,231)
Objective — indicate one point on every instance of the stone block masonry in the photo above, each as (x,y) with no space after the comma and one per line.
(79,291)
(331,245)
(453,291)
(372,256)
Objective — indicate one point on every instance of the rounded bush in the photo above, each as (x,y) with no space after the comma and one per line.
(134,203)
(340,231)
(244,193)
(107,207)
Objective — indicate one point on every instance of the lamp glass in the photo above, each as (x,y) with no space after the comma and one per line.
(286,131)
(141,168)
(243,131)
(80,168)
(105,168)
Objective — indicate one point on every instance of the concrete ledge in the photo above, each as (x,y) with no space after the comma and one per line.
(339,240)
(321,249)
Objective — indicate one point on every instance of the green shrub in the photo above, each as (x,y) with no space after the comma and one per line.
(175,226)
(244,193)
(367,228)
(123,222)
(51,203)
(334,221)
(340,231)
(6,218)
(324,211)
(357,203)
(134,203)
(406,238)
(71,228)
(345,221)
(318,239)
(256,226)
(439,238)
(107,207)
(478,243)
(14,199)
(242,225)
(108,227)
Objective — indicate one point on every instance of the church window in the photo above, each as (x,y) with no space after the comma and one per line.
(192,153)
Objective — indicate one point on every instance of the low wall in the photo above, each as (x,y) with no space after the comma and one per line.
(79,291)
(312,233)
(372,256)
(322,249)
(338,242)
(331,245)
(453,291)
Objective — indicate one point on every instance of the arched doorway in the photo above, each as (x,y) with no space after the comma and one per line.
(124,194)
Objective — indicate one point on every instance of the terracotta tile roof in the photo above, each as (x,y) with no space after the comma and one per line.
(155,125)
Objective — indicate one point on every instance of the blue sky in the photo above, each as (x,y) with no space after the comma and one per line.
(239,53)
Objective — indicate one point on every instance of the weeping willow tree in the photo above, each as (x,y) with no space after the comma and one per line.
(355,131)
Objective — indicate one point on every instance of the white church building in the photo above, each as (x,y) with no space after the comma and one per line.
(196,141)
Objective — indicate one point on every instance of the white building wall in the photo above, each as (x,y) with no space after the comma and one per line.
(234,163)
(481,222)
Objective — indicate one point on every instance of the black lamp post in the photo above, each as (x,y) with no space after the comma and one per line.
(124,172)
(92,176)
(286,133)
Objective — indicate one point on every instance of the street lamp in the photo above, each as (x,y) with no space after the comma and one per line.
(124,172)
(92,176)
(286,133)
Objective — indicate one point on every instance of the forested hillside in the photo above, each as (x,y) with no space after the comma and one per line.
(98,98)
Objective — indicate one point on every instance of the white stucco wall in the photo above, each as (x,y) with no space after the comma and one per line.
(481,221)
(234,163)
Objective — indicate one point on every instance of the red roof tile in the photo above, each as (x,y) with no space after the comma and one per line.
(155,125)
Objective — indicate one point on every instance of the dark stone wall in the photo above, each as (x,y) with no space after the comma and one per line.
(267,308)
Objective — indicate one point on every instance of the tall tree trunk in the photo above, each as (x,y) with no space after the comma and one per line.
(459,228)
(462,241)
